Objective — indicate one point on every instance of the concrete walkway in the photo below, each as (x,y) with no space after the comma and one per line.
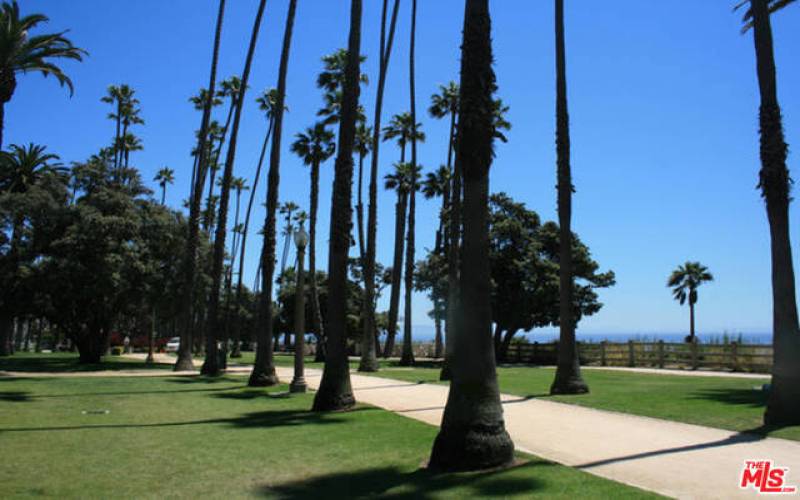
(670,458)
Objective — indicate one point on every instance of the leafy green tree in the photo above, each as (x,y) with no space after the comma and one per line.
(684,281)
(264,368)
(22,53)
(472,435)
(783,406)
(164,176)
(335,391)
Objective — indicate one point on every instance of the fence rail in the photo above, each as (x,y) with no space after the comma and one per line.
(730,356)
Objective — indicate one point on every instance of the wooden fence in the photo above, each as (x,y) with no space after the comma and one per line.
(730,356)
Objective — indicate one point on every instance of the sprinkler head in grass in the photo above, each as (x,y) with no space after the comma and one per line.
(96,412)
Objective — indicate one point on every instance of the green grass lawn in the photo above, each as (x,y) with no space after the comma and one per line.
(191,437)
(61,362)
(721,402)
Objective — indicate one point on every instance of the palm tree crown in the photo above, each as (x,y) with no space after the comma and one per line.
(436,183)
(445,102)
(20,52)
(315,145)
(400,127)
(402,179)
(165,176)
(685,280)
(22,167)
(747,19)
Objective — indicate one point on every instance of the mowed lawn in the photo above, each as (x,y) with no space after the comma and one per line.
(195,437)
(730,403)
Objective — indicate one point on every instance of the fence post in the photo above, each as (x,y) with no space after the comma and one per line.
(734,356)
(631,354)
(603,353)
(661,354)
(695,357)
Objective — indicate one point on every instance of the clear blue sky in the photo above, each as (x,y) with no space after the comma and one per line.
(663,103)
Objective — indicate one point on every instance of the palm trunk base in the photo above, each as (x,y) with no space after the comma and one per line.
(568,382)
(388,347)
(211,367)
(407,359)
(478,447)
(236,353)
(783,405)
(368,363)
(328,401)
(445,374)
(263,378)
(184,362)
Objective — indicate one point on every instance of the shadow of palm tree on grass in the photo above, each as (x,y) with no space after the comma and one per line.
(62,364)
(15,396)
(276,418)
(418,484)
(755,397)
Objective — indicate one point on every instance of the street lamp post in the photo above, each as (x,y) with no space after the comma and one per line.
(299,382)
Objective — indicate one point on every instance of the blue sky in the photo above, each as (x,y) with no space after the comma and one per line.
(663,104)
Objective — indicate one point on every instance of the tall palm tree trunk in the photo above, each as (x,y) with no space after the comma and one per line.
(237,328)
(263,373)
(691,322)
(407,358)
(211,366)
(401,207)
(316,313)
(184,361)
(372,211)
(335,392)
(568,378)
(783,405)
(453,259)
(473,435)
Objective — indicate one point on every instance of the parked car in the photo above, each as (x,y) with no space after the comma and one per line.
(173,344)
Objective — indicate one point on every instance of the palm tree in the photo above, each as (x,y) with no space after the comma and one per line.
(783,405)
(22,53)
(684,282)
(127,143)
(266,103)
(211,364)
(407,358)
(184,361)
(264,368)
(314,147)
(238,185)
(444,104)
(20,169)
(399,182)
(164,176)
(403,128)
(335,392)
(287,209)
(437,184)
(118,96)
(568,378)
(368,263)
(362,147)
(330,80)
(472,434)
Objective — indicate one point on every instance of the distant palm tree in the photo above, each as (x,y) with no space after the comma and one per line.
(314,147)
(684,281)
(238,185)
(363,146)
(264,367)
(335,391)
(200,99)
(368,254)
(266,103)
(184,361)
(211,366)
(128,143)
(330,80)
(164,176)
(287,209)
(472,434)
(399,181)
(437,184)
(783,405)
(568,379)
(22,53)
(407,358)
(120,97)
(401,127)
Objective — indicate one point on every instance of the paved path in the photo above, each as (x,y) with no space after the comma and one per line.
(674,459)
